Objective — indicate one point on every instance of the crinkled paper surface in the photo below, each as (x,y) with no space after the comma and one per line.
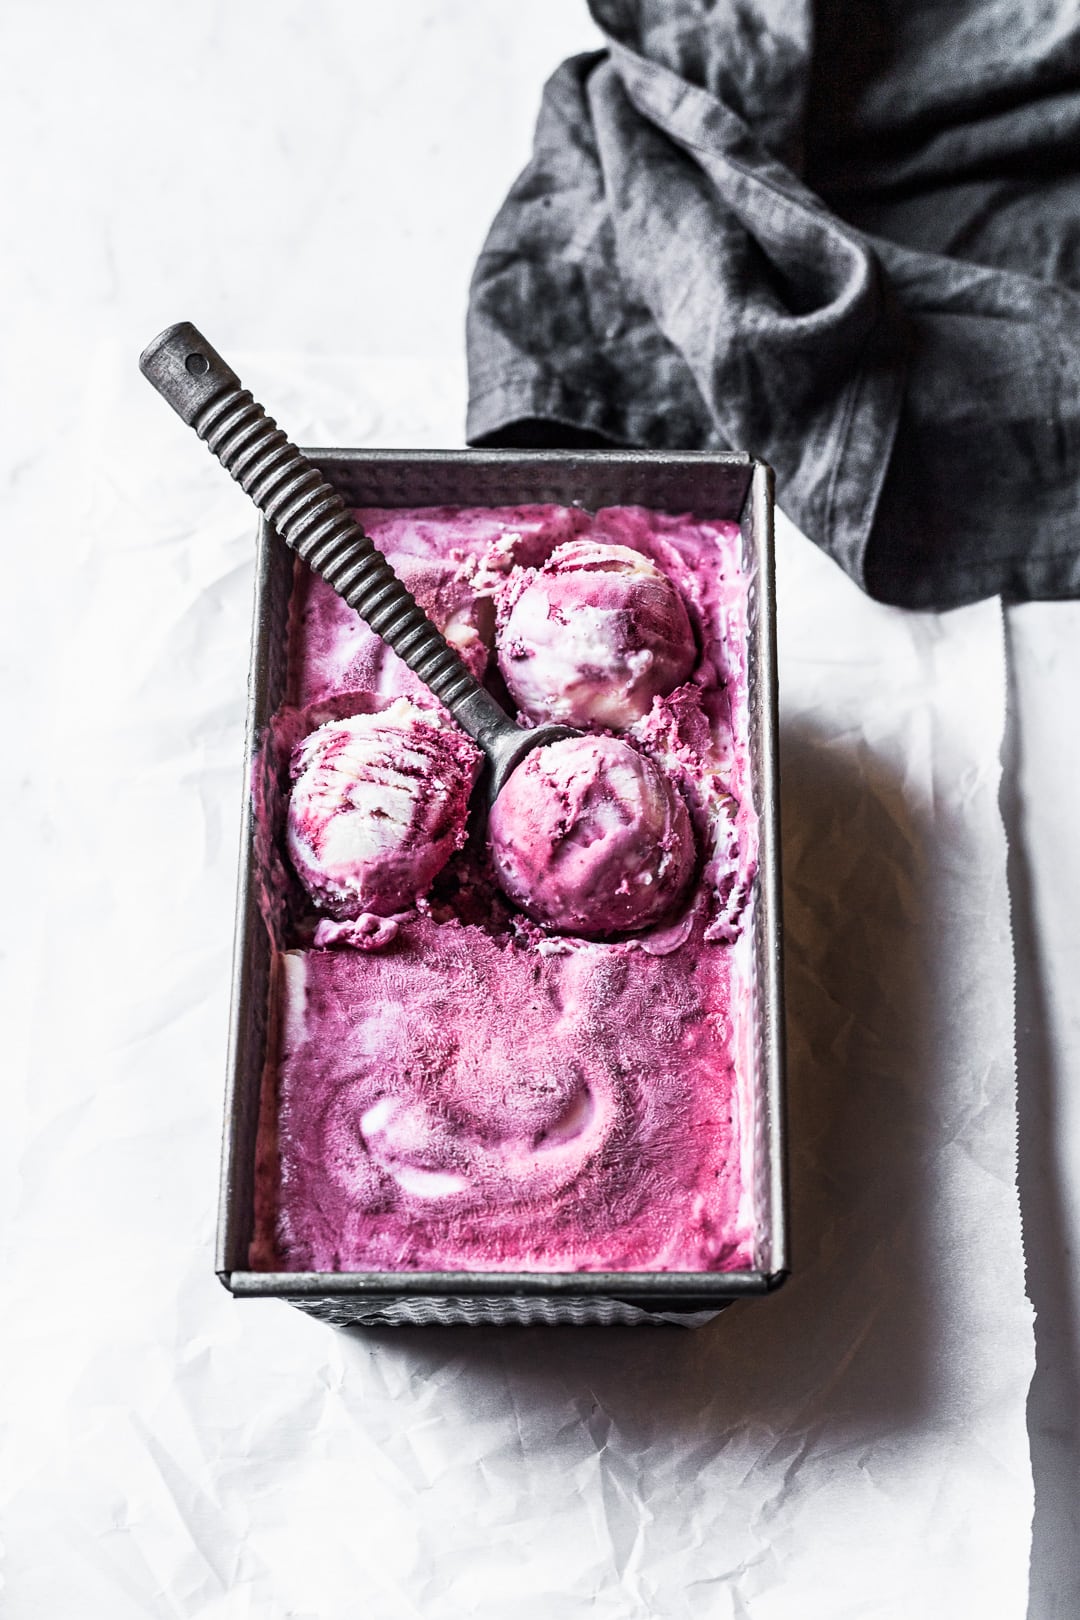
(854,1445)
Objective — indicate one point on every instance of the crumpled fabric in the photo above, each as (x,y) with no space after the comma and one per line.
(843,238)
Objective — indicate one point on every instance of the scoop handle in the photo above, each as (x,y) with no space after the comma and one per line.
(312,518)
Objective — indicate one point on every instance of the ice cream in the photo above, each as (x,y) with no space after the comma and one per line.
(457,1085)
(378,806)
(456,1103)
(589,837)
(592,636)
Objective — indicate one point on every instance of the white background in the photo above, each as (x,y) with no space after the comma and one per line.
(314,182)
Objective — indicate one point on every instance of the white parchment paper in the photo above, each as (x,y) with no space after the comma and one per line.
(853,1446)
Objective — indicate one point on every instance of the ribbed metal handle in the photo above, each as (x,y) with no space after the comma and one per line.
(311,516)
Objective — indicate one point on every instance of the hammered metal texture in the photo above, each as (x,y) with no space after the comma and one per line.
(494,1310)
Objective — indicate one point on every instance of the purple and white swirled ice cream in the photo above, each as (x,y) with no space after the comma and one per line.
(520,1047)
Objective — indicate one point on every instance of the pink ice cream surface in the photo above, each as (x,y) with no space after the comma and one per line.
(589,837)
(457,1088)
(379,804)
(591,637)
(455,1103)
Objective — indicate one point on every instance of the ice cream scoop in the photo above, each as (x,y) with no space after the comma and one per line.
(622,807)
(592,636)
(379,804)
(312,518)
(589,837)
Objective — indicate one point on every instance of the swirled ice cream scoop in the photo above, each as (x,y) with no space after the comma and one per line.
(589,837)
(378,806)
(590,638)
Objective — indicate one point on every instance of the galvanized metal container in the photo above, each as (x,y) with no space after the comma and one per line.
(731,487)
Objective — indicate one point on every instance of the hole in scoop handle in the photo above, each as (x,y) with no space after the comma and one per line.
(312,518)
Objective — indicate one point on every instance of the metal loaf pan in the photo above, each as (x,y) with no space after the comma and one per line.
(732,487)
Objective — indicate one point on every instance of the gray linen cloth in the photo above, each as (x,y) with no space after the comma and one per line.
(842,236)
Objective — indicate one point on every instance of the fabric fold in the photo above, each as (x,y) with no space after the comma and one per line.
(705,252)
